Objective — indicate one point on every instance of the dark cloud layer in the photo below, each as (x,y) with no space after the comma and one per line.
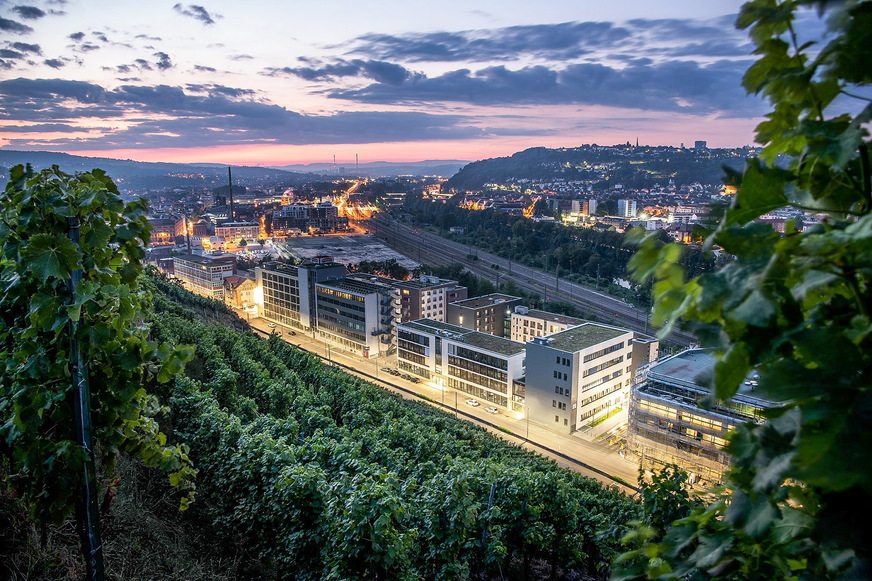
(197,13)
(561,42)
(203,115)
(14,27)
(670,86)
(379,71)
(28,12)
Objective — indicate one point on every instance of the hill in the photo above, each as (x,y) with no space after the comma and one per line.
(601,167)
(132,175)
(430,167)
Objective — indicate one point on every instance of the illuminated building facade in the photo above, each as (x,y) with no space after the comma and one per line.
(666,426)
(204,275)
(487,314)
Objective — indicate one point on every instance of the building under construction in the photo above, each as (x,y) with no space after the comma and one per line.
(666,426)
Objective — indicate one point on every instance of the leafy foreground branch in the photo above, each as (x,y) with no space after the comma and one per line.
(796,308)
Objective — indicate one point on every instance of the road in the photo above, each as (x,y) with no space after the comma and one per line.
(428,248)
(594,459)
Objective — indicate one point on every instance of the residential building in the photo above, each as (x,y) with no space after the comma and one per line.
(428,297)
(288,291)
(239,291)
(666,426)
(481,365)
(578,375)
(487,314)
(358,316)
(627,208)
(235,231)
(204,275)
(165,230)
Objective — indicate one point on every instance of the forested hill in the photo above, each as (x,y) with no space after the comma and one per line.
(129,174)
(634,167)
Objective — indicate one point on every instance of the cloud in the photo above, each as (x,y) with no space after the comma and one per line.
(562,41)
(675,85)
(167,116)
(379,71)
(28,12)
(163,62)
(6,53)
(241,57)
(77,36)
(24,47)
(54,63)
(196,12)
(204,69)
(151,38)
(14,27)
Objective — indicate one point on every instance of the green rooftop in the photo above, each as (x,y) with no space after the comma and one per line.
(578,338)
(493,343)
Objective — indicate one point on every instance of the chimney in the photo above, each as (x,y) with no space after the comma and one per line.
(230,184)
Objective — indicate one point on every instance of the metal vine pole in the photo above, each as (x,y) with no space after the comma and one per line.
(87,512)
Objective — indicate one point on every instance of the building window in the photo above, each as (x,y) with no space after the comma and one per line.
(556,418)
(554,403)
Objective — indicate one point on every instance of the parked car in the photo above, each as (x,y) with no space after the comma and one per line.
(388,369)
(473,403)
(272,325)
(415,380)
(491,410)
(292,332)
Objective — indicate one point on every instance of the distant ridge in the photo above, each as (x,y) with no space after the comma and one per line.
(439,167)
(136,175)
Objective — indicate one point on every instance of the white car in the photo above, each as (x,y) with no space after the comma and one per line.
(473,403)
(492,410)
(272,325)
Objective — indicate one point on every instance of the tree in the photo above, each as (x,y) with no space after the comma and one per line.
(797,308)
(42,322)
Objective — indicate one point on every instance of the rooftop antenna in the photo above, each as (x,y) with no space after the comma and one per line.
(187,233)
(230,184)
(356,164)
(335,170)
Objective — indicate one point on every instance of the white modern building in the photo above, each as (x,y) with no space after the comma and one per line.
(480,365)
(578,375)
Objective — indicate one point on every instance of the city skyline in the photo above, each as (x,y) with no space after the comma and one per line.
(266,83)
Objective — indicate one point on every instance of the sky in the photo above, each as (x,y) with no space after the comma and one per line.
(286,82)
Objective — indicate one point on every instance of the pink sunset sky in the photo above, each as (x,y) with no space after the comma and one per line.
(274,83)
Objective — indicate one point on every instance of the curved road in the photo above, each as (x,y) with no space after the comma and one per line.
(427,248)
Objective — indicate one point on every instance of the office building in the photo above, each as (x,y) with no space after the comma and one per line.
(666,426)
(579,375)
(358,316)
(489,314)
(235,231)
(204,275)
(476,364)
(528,323)
(289,291)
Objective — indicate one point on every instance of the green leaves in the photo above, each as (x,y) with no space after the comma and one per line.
(50,256)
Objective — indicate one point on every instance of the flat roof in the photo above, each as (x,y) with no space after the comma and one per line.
(486,300)
(556,317)
(493,343)
(353,286)
(477,339)
(587,335)
(207,260)
(686,366)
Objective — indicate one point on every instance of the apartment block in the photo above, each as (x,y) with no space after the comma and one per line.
(313,219)
(578,375)
(204,275)
(489,314)
(358,316)
(481,365)
(666,426)
(428,297)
